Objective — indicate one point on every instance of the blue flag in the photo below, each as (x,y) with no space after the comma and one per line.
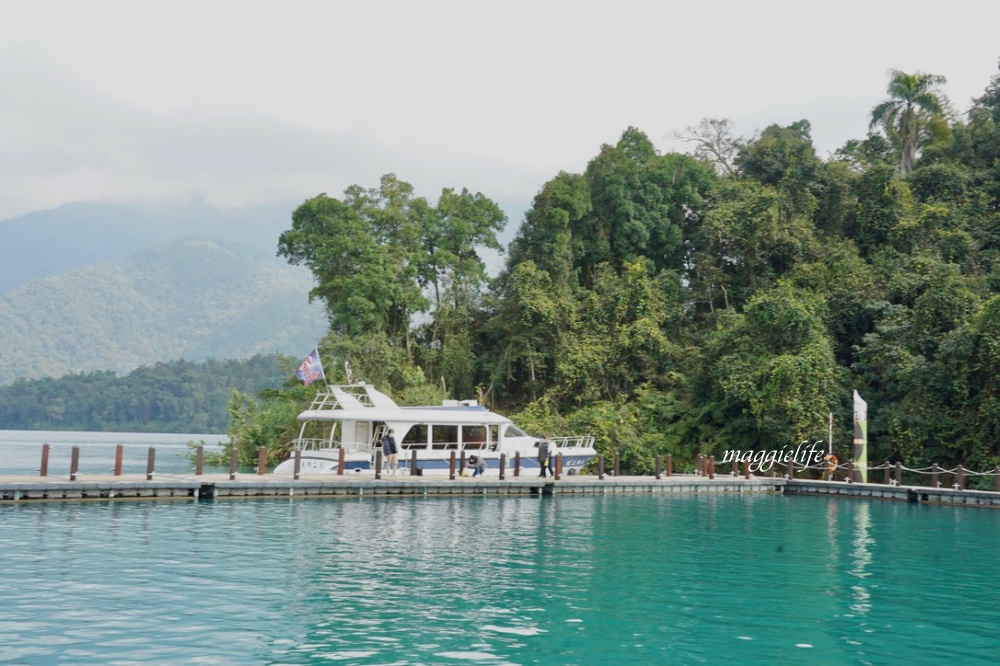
(311,369)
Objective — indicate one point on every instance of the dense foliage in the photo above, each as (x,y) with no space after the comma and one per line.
(729,299)
(179,397)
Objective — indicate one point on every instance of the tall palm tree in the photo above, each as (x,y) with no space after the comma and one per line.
(912,101)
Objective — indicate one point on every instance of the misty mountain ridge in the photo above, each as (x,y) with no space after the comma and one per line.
(191,299)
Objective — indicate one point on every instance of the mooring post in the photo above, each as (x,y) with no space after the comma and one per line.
(451,467)
(746,469)
(261,460)
(656,467)
(234,461)
(899,474)
(850,471)
(960,477)
(996,478)
(503,465)
(298,464)
(461,464)
(670,464)
(791,469)
(618,462)
(517,464)
(558,466)
(118,459)
(74,463)
(885,479)
(199,460)
(711,467)
(44,469)
(934,476)
(150,463)
(600,466)
(413,462)
(340,461)
(378,464)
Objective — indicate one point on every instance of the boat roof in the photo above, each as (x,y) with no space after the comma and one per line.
(363,402)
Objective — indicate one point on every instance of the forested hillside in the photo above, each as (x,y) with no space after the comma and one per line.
(179,396)
(193,299)
(682,303)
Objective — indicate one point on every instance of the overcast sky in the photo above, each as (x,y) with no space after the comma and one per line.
(246,102)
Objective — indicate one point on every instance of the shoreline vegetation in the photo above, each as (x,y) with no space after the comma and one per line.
(729,298)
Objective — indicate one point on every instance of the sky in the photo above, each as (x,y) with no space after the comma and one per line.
(240,103)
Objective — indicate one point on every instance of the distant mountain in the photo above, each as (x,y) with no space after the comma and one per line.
(192,299)
(50,242)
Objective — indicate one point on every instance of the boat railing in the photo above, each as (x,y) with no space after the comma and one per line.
(572,442)
(314,444)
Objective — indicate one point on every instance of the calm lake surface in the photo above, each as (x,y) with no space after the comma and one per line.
(21,451)
(614,579)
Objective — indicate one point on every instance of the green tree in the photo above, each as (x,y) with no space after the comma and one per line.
(913,102)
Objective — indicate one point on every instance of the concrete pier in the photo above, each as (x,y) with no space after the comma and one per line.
(210,487)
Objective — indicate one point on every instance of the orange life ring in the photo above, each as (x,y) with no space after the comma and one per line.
(831,463)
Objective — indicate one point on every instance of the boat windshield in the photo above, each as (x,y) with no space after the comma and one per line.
(513,431)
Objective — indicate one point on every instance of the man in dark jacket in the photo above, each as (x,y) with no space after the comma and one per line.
(543,455)
(390,451)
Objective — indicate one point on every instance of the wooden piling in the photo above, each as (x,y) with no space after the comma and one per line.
(44,469)
(885,478)
(618,462)
(199,460)
(746,469)
(451,467)
(378,464)
(150,463)
(656,467)
(340,461)
(899,474)
(119,453)
(503,465)
(850,471)
(261,460)
(711,467)
(413,462)
(670,464)
(934,476)
(298,465)
(996,478)
(74,463)
(234,462)
(600,466)
(517,464)
(558,466)
(960,477)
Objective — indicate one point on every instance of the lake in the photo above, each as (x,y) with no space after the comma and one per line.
(620,579)
(21,451)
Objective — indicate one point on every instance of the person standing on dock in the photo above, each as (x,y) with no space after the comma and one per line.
(543,455)
(391,451)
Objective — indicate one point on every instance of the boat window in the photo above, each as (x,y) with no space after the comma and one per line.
(513,431)
(474,437)
(444,437)
(415,437)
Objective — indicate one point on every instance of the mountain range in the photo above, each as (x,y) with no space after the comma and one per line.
(103,286)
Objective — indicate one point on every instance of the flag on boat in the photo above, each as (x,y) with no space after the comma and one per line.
(860,438)
(311,369)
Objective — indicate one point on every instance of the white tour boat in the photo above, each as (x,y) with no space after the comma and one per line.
(352,419)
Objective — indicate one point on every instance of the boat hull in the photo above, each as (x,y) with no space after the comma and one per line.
(327,462)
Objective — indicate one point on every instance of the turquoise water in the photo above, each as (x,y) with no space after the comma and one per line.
(535,580)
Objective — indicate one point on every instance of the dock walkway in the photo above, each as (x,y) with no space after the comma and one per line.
(208,487)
